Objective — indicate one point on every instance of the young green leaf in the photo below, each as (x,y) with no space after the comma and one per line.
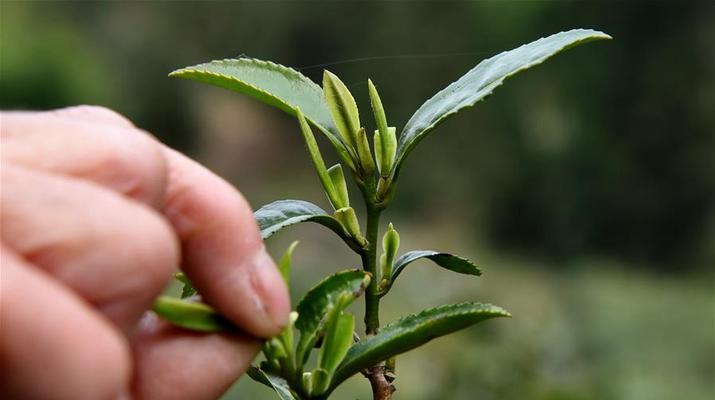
(338,338)
(334,292)
(348,218)
(275,349)
(385,139)
(333,194)
(481,81)
(341,189)
(390,244)
(273,84)
(317,382)
(444,260)
(377,110)
(190,315)
(367,164)
(278,384)
(411,332)
(188,288)
(282,213)
(385,149)
(284,265)
(342,107)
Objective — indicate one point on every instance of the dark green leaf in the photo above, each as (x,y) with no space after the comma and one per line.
(277,215)
(273,84)
(479,83)
(272,381)
(411,332)
(332,294)
(444,260)
(190,315)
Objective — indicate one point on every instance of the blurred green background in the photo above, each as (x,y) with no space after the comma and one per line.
(585,187)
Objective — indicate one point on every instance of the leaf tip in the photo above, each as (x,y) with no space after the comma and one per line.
(499,312)
(327,74)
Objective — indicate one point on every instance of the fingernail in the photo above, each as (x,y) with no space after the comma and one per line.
(271,291)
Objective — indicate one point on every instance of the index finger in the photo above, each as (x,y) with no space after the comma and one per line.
(223,252)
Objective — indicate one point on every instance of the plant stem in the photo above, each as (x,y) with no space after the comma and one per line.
(369,263)
(382,389)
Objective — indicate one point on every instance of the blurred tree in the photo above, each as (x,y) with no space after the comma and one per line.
(607,151)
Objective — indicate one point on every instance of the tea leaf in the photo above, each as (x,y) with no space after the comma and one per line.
(318,382)
(284,265)
(273,84)
(333,293)
(377,109)
(338,338)
(190,315)
(481,81)
(339,185)
(411,332)
(348,218)
(333,195)
(342,107)
(278,384)
(390,244)
(444,260)
(277,215)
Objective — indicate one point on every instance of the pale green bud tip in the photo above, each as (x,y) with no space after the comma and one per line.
(390,243)
(318,163)
(377,108)
(377,145)
(348,219)
(389,149)
(277,348)
(342,107)
(341,189)
(363,148)
(307,381)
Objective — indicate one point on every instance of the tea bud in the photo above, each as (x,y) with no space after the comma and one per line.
(318,163)
(342,107)
(363,149)
(377,110)
(341,189)
(349,220)
(390,244)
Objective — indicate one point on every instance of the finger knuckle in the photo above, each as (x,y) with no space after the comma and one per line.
(95,113)
(141,165)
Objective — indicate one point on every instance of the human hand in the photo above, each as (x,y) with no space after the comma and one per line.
(96,215)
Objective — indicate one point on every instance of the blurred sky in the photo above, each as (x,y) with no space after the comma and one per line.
(596,168)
